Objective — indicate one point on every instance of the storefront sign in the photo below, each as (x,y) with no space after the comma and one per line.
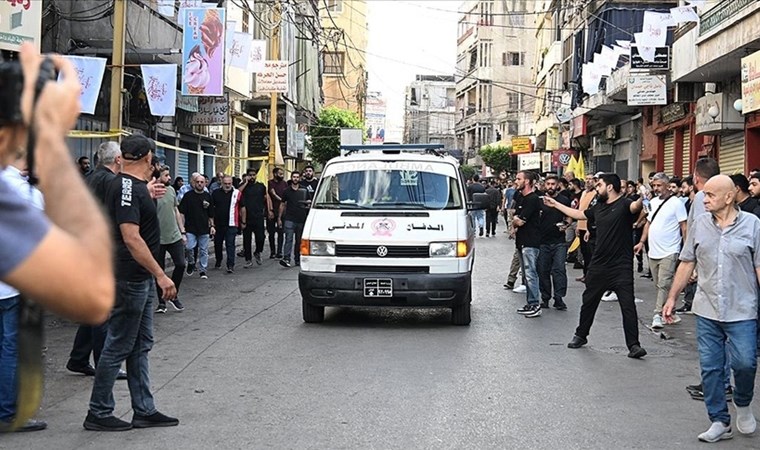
(673,112)
(724,11)
(212,111)
(552,139)
(580,126)
(529,161)
(661,59)
(521,144)
(274,78)
(751,83)
(561,158)
(714,115)
(644,90)
(187,103)
(258,139)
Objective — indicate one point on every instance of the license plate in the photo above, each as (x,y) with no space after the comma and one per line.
(378,287)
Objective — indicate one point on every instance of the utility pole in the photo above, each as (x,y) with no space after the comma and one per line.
(117,63)
(274,55)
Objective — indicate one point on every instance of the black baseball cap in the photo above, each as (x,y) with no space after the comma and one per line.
(136,146)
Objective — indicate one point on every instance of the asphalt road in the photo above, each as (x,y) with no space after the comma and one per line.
(241,370)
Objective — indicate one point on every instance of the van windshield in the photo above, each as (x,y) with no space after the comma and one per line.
(388,189)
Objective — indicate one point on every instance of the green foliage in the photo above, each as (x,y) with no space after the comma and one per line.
(325,135)
(497,157)
(468,171)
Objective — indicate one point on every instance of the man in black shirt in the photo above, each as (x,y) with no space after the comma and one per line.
(476,187)
(744,200)
(130,327)
(254,209)
(292,216)
(495,199)
(197,211)
(553,250)
(528,238)
(611,265)
(226,202)
(308,181)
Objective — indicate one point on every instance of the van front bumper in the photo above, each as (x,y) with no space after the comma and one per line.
(409,289)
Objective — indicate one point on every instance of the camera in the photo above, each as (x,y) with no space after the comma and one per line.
(12,87)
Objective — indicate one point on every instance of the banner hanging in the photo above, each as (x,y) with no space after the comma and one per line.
(203,52)
(90,71)
(159,81)
(257,56)
(238,52)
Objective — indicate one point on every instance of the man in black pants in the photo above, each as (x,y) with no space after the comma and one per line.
(553,250)
(494,203)
(276,189)
(612,263)
(226,203)
(253,207)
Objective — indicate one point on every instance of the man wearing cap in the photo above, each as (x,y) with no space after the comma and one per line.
(130,327)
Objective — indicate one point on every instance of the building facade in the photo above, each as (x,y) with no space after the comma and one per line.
(430,111)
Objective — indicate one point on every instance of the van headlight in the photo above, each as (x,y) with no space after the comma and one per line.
(321,248)
(443,249)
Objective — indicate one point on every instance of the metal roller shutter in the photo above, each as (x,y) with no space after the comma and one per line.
(668,159)
(686,152)
(731,156)
(182,166)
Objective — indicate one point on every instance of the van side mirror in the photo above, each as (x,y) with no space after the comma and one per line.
(479,201)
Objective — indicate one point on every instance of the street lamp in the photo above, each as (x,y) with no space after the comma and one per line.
(713,112)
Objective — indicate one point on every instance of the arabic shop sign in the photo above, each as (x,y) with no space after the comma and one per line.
(274,78)
(212,111)
(186,103)
(721,13)
(661,59)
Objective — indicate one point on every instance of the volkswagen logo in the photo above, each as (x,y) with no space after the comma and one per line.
(382,251)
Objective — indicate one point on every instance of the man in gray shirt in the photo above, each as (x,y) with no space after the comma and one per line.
(724,246)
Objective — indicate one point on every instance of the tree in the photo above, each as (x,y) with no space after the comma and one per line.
(325,135)
(497,157)
(468,171)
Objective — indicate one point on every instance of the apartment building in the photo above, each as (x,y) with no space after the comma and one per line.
(430,112)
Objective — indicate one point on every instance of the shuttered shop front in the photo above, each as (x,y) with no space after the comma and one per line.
(668,156)
(731,156)
(686,152)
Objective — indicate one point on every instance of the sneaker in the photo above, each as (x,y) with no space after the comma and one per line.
(535,313)
(204,276)
(675,319)
(230,269)
(257,257)
(248,264)
(176,304)
(685,309)
(285,263)
(520,289)
(657,322)
(745,420)
(694,388)
(154,420)
(241,253)
(637,352)
(509,286)
(610,296)
(545,304)
(527,309)
(560,306)
(109,423)
(190,269)
(161,308)
(717,431)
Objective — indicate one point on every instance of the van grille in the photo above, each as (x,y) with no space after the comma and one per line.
(394,251)
(383,269)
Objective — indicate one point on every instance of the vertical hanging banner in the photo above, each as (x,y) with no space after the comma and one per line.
(257,56)
(90,72)
(238,52)
(274,77)
(203,52)
(229,37)
(20,21)
(159,81)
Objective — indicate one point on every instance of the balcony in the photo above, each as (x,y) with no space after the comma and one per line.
(552,58)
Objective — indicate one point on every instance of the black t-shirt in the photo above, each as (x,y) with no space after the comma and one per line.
(197,209)
(750,205)
(550,217)
(614,238)
(221,201)
(295,211)
(310,186)
(254,200)
(129,202)
(529,209)
(99,182)
(475,188)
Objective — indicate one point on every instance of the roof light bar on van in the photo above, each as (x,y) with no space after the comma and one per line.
(394,148)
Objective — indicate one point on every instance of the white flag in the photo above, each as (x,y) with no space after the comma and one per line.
(654,32)
(90,72)
(591,76)
(257,56)
(239,52)
(624,44)
(166,7)
(229,36)
(647,53)
(684,14)
(160,84)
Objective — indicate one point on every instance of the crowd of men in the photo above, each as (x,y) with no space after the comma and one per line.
(701,236)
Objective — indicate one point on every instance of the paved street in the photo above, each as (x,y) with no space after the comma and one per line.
(241,370)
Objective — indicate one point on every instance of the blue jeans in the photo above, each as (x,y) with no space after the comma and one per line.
(293,231)
(225,236)
(130,338)
(8,357)
(201,241)
(712,339)
(551,270)
(529,263)
(479,215)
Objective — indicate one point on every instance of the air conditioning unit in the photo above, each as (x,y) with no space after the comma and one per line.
(610,133)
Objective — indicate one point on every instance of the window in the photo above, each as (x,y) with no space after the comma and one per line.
(335,6)
(514,101)
(333,62)
(513,58)
(512,127)
(246,21)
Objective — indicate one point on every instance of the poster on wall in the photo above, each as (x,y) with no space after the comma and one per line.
(751,83)
(203,51)
(645,90)
(20,21)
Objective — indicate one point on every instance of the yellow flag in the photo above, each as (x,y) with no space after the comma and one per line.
(580,168)
(263,175)
(571,166)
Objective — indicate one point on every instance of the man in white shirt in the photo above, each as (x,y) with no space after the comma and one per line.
(665,229)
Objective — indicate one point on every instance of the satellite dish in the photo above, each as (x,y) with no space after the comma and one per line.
(564,115)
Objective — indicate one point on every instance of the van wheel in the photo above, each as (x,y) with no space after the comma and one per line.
(460,314)
(311,313)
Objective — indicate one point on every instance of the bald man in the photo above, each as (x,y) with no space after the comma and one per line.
(724,246)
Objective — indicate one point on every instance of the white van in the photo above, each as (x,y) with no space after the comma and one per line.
(389,226)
